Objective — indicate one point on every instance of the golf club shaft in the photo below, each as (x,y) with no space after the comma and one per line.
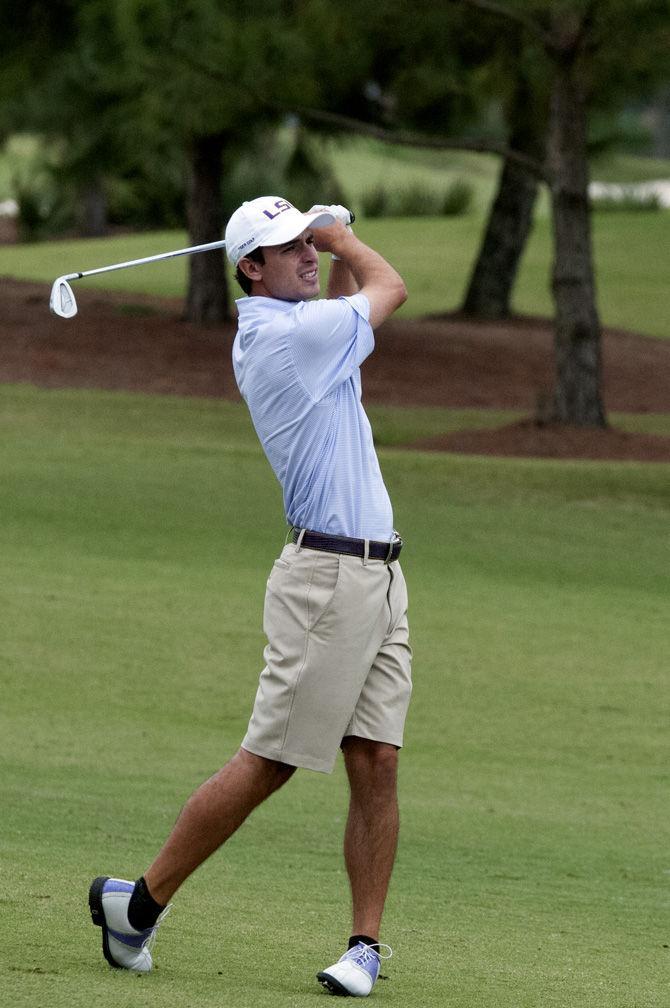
(147,259)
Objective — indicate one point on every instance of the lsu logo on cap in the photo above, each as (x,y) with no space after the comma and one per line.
(280,206)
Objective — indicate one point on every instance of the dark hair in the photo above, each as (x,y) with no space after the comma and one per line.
(242,279)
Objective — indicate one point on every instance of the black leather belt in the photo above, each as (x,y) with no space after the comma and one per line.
(388,552)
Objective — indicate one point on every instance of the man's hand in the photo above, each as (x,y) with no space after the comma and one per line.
(330,237)
(340,213)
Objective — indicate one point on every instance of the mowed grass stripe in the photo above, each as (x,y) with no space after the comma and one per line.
(136,536)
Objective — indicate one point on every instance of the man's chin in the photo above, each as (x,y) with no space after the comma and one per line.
(304,292)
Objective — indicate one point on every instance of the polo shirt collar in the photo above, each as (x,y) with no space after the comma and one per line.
(253,305)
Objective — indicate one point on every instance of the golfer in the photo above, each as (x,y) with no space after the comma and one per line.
(337,661)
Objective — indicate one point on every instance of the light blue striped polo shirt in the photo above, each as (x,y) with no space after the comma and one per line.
(297,365)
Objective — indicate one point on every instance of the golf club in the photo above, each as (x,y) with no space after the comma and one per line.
(62,301)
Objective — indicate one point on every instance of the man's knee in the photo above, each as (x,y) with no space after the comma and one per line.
(271,772)
(371,763)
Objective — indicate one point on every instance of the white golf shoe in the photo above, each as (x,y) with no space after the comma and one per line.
(123,947)
(355,972)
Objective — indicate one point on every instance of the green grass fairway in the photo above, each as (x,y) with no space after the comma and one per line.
(135,537)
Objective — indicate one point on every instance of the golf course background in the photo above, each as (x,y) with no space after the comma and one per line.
(136,533)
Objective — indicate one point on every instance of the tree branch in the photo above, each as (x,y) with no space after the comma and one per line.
(408,139)
(585,35)
(401,137)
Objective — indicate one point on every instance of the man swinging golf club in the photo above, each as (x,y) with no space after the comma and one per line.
(337,661)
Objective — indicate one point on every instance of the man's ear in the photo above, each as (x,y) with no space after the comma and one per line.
(251,269)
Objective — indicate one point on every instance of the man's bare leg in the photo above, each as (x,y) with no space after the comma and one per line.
(371,834)
(210,816)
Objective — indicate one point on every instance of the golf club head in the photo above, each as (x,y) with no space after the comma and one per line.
(62,301)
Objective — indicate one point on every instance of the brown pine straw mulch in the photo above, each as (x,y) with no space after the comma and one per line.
(528,440)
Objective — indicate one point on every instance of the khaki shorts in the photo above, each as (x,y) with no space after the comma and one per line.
(338,658)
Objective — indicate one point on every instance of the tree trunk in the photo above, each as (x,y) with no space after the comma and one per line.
(660,123)
(207,301)
(92,210)
(577,339)
(489,292)
(492,281)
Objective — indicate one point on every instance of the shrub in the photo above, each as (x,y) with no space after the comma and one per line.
(457,199)
(375,202)
(417,199)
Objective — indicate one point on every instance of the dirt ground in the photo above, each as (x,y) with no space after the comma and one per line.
(139,343)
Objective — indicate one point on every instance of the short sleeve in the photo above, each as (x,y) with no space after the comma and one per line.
(331,340)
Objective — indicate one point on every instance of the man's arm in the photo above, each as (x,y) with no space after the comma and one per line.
(372,275)
(341,281)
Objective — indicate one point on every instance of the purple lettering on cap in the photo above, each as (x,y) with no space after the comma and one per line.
(280,206)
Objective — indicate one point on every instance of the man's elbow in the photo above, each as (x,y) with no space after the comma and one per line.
(385,299)
(400,293)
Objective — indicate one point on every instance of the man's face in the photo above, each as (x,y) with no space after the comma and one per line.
(290,271)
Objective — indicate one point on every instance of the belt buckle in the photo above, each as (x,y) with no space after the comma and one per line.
(395,541)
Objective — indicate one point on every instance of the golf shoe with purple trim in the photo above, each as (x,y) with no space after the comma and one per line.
(123,947)
(355,972)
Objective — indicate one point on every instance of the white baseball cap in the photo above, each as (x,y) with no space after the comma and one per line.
(268,220)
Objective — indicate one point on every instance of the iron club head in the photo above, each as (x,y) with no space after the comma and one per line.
(62,301)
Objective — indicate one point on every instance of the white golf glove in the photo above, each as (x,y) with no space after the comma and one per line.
(339,212)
